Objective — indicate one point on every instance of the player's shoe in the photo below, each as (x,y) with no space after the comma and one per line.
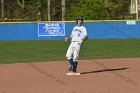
(72,69)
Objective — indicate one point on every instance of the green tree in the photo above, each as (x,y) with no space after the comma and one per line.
(118,9)
(88,9)
(12,10)
(98,9)
(31,9)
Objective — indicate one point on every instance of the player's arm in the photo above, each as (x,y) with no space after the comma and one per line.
(68,38)
(85,38)
(85,35)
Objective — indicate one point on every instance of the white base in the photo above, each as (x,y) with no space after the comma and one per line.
(72,73)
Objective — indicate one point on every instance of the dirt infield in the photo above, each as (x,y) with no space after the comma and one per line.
(120,75)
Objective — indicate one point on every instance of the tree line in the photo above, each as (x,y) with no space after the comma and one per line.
(34,10)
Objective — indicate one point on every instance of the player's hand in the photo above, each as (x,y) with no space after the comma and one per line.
(66,39)
(85,38)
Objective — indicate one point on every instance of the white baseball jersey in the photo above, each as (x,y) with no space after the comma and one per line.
(78,33)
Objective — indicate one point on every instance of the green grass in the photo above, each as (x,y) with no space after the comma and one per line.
(47,50)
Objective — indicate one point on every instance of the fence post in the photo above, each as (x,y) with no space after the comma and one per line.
(63,10)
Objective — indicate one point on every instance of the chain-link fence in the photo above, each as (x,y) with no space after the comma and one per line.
(45,10)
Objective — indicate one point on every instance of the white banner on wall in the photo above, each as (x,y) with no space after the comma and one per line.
(131,22)
(51,29)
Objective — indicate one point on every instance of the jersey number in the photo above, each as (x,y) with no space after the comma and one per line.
(79,35)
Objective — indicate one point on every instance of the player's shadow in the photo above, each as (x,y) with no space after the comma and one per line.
(104,70)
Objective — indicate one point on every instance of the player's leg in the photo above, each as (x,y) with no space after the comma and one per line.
(75,57)
(69,56)
(75,63)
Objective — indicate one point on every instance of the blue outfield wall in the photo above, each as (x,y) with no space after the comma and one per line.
(96,30)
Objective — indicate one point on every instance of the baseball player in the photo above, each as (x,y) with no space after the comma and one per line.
(78,35)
